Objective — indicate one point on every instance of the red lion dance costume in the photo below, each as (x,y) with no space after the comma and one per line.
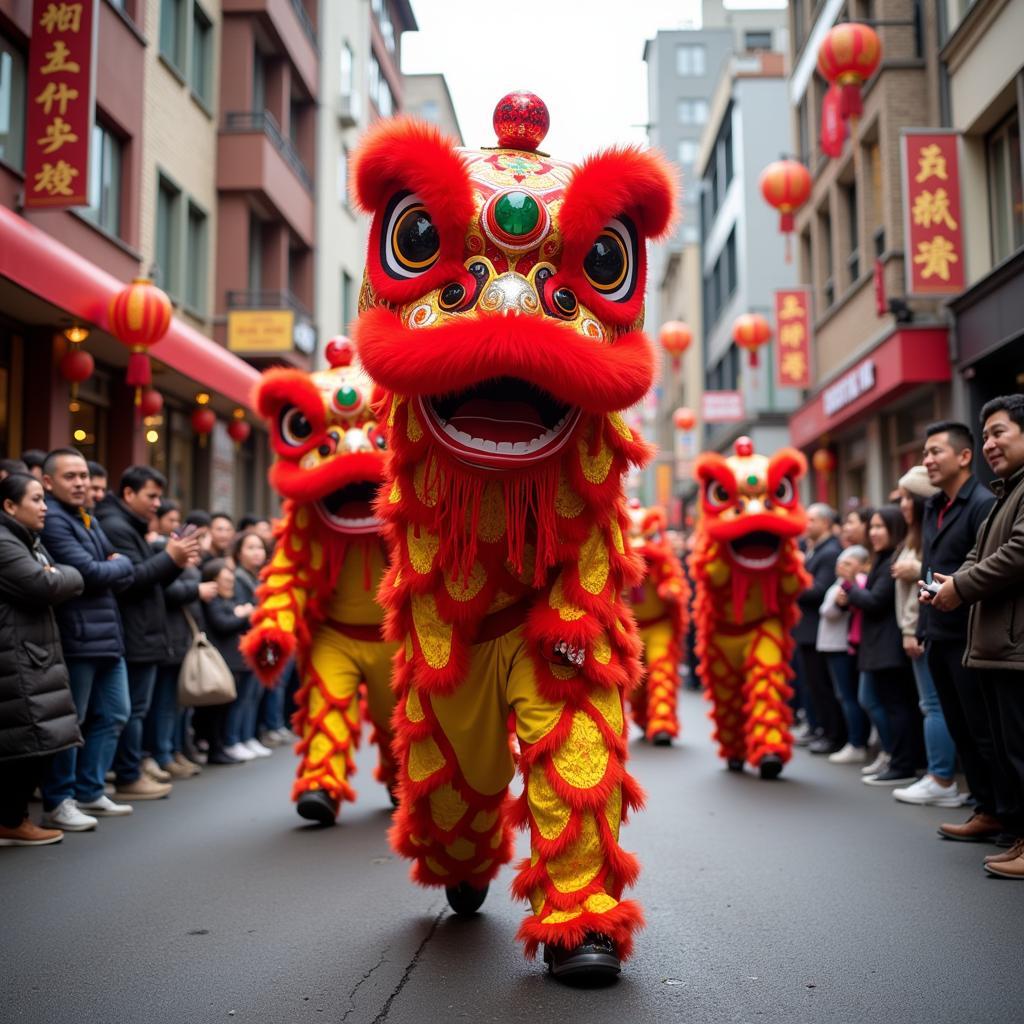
(661,606)
(748,572)
(501,312)
(318,596)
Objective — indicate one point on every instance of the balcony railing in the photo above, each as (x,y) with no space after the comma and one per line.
(263,121)
(268,299)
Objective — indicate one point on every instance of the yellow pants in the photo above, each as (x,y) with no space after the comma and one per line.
(329,716)
(654,701)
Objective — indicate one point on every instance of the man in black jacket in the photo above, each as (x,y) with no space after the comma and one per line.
(820,562)
(125,517)
(93,643)
(952,519)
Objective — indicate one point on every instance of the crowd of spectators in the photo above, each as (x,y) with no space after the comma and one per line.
(910,649)
(101,592)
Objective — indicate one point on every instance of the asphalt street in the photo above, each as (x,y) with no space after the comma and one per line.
(813,899)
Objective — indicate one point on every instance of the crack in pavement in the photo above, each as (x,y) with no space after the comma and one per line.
(359,983)
(386,1008)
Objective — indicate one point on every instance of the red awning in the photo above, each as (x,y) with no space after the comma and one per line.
(908,357)
(46,267)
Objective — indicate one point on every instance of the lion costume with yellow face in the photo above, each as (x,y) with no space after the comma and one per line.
(501,312)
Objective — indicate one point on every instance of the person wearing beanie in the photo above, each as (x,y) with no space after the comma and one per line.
(938,786)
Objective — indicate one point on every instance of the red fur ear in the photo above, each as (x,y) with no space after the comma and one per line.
(278,386)
(712,466)
(786,460)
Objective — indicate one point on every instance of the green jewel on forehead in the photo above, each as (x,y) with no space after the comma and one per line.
(752,480)
(346,397)
(517,213)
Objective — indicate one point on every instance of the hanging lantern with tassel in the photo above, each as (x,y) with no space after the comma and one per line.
(151,402)
(675,337)
(76,367)
(203,421)
(140,315)
(848,57)
(750,332)
(684,419)
(786,185)
(239,429)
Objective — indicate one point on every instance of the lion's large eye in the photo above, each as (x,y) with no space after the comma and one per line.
(409,242)
(294,427)
(611,264)
(784,491)
(717,495)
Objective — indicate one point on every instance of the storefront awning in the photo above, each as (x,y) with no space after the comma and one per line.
(46,267)
(906,358)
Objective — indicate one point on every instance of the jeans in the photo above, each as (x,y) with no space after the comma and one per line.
(898,695)
(843,669)
(240,726)
(99,688)
(937,742)
(128,761)
(271,707)
(867,697)
(162,731)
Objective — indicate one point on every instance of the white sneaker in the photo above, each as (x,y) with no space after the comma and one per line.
(257,748)
(926,791)
(849,755)
(104,807)
(240,752)
(67,817)
(879,765)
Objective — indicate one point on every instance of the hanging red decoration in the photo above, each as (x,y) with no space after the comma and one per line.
(203,421)
(786,185)
(151,402)
(833,127)
(239,431)
(824,461)
(339,351)
(675,337)
(521,121)
(848,57)
(140,315)
(76,367)
(684,418)
(750,332)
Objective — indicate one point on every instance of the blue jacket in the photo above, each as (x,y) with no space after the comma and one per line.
(90,625)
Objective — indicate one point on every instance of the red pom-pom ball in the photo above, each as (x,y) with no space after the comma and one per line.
(521,121)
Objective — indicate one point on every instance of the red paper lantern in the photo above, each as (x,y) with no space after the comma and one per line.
(684,419)
(751,331)
(824,461)
(151,402)
(76,367)
(203,420)
(140,315)
(848,57)
(239,431)
(786,185)
(675,337)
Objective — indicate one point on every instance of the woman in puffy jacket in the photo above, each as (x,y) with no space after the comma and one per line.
(37,715)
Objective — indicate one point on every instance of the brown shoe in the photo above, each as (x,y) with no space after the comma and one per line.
(177,771)
(1015,851)
(979,828)
(1008,868)
(183,762)
(29,834)
(143,788)
(154,771)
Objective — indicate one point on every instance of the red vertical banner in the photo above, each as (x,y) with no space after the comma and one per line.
(793,331)
(833,126)
(934,238)
(60,103)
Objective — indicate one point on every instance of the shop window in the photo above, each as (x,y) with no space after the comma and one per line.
(12,105)
(690,60)
(196,260)
(1005,200)
(757,40)
(201,64)
(853,260)
(105,158)
(168,207)
(173,30)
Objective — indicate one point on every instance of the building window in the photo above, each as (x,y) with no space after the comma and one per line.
(348,310)
(12,105)
(387,29)
(104,207)
(803,132)
(1005,201)
(729,272)
(168,205)
(201,67)
(692,111)
(255,253)
(380,91)
(828,285)
(757,40)
(687,151)
(195,256)
(343,176)
(259,81)
(172,32)
(798,24)
(853,260)
(690,60)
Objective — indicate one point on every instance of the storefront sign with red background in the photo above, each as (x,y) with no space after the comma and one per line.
(60,103)
(931,211)
(793,331)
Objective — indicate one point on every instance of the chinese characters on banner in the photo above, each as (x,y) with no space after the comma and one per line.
(931,203)
(60,101)
(793,330)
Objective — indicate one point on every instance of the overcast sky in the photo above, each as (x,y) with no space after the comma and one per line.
(584,58)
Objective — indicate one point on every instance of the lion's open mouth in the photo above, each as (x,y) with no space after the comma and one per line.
(757,550)
(350,508)
(500,422)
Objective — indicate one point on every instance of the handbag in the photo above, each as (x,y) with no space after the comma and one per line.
(204,678)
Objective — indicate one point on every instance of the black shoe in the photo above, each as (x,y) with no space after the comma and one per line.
(735,764)
(822,746)
(889,777)
(770,766)
(316,805)
(593,962)
(221,757)
(661,739)
(464,899)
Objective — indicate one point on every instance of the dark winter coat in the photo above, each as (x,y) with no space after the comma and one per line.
(179,596)
(881,641)
(37,714)
(90,625)
(991,581)
(821,566)
(944,552)
(224,629)
(143,608)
